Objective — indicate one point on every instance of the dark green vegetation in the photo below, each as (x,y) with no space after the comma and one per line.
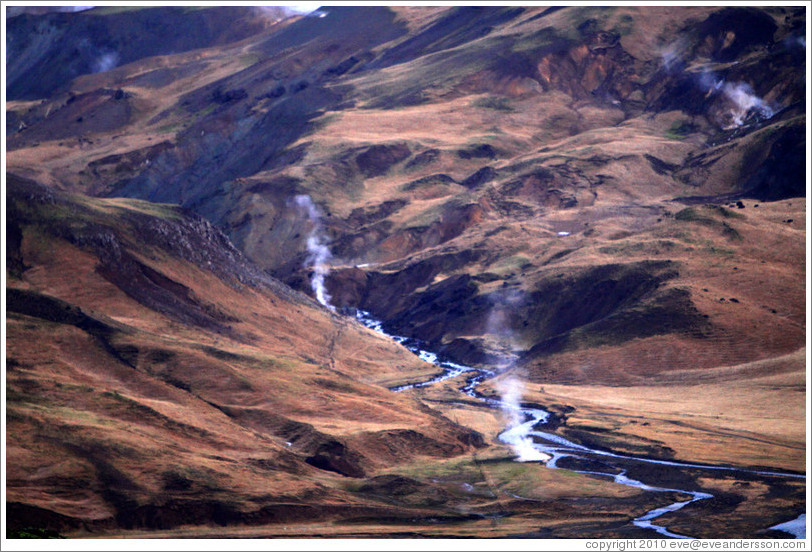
(33,533)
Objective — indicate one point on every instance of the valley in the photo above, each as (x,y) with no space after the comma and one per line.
(217,218)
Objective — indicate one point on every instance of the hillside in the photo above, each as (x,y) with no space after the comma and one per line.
(542,123)
(605,204)
(169,382)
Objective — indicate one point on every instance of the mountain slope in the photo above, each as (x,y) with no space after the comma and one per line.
(434,139)
(606,205)
(160,385)
(47,52)
(156,378)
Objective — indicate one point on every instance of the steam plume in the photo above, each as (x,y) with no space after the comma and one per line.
(105,62)
(789,42)
(740,101)
(511,387)
(745,102)
(517,434)
(709,82)
(736,100)
(318,252)
(672,56)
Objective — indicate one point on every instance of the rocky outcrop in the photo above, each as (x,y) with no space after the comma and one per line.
(185,235)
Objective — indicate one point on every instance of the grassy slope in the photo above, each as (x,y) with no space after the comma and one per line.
(146,397)
(123,418)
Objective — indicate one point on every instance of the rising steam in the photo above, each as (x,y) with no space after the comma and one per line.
(744,102)
(735,101)
(672,55)
(318,252)
(517,436)
(105,62)
(511,387)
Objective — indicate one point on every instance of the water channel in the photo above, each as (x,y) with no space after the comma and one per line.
(535,444)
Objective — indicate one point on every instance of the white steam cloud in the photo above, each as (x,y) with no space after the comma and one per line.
(672,55)
(739,100)
(318,252)
(795,41)
(511,388)
(709,82)
(105,62)
(517,436)
(744,103)
(734,102)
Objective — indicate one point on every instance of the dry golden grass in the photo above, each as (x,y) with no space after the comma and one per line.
(147,410)
(744,420)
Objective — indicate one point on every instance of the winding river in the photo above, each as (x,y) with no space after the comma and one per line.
(534,444)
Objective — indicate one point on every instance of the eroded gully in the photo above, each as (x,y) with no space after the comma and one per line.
(557,452)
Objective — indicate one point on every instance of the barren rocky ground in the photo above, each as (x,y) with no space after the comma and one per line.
(604,204)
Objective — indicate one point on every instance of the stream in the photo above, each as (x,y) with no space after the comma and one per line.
(534,444)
